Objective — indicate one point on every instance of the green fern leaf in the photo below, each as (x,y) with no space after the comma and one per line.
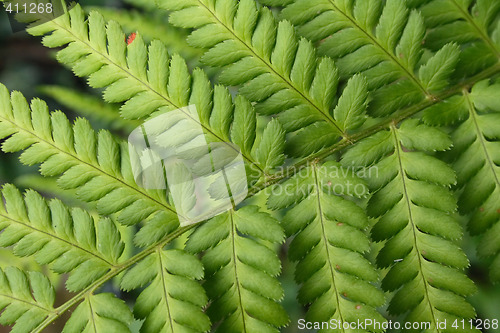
(143,76)
(96,165)
(241,270)
(100,313)
(277,70)
(70,241)
(415,211)
(26,299)
(336,280)
(173,300)
(382,42)
(269,153)
(350,110)
(470,23)
(476,160)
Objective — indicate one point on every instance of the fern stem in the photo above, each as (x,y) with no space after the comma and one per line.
(111,274)
(165,292)
(384,124)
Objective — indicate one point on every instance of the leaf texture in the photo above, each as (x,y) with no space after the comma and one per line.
(241,270)
(25,298)
(277,70)
(100,313)
(415,210)
(173,300)
(476,161)
(472,23)
(143,77)
(384,42)
(70,241)
(335,278)
(96,165)
(89,106)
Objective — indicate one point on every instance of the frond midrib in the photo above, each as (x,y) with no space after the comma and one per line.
(324,114)
(92,316)
(164,289)
(327,243)
(235,261)
(406,198)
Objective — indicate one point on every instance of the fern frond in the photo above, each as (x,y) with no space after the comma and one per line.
(474,24)
(70,241)
(143,76)
(173,301)
(100,313)
(415,210)
(89,106)
(477,161)
(279,71)
(384,42)
(336,280)
(25,298)
(96,165)
(241,270)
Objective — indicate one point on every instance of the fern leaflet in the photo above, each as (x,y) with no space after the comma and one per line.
(470,23)
(476,160)
(70,241)
(241,270)
(100,313)
(97,166)
(381,41)
(328,245)
(143,76)
(26,299)
(173,300)
(415,210)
